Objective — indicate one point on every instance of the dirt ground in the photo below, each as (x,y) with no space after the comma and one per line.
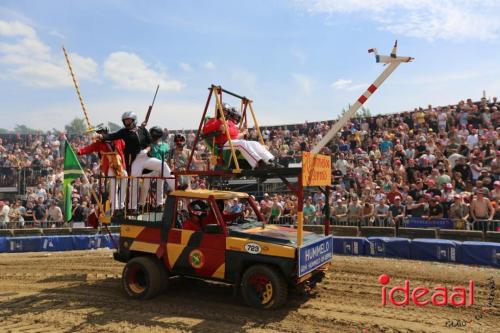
(81,291)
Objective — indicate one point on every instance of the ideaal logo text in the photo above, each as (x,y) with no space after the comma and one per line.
(421,295)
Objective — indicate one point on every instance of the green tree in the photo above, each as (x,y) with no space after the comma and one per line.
(23,129)
(76,126)
(4,131)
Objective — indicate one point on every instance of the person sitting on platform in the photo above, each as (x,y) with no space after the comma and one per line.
(256,154)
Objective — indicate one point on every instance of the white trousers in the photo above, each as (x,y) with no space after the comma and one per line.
(116,192)
(253,151)
(141,162)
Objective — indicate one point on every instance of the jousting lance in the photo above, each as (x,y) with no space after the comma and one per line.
(393,61)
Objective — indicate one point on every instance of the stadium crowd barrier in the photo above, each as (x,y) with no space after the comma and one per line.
(429,249)
(56,243)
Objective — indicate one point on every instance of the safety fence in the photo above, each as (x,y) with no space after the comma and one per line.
(467,252)
(57,243)
(409,222)
(32,224)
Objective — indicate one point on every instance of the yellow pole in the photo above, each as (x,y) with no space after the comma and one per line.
(261,139)
(77,89)
(218,106)
(300,226)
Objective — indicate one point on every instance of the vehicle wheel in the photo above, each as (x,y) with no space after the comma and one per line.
(141,278)
(263,287)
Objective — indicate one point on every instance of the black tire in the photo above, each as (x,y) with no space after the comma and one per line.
(263,287)
(141,278)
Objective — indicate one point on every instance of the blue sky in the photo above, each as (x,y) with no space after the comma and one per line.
(298,60)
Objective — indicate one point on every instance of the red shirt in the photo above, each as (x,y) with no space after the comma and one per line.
(103,147)
(213,125)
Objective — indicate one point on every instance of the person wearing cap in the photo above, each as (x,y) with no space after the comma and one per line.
(481,210)
(495,194)
(432,189)
(458,212)
(435,208)
(4,215)
(339,211)
(397,212)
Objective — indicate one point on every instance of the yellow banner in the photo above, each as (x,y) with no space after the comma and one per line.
(316,169)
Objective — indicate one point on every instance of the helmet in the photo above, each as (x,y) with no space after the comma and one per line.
(130,115)
(226,107)
(156,132)
(101,128)
(179,138)
(198,208)
(233,114)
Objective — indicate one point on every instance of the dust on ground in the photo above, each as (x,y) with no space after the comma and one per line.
(81,291)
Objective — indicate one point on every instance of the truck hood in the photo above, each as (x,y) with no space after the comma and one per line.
(272,234)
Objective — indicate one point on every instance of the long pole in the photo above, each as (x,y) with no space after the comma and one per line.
(355,107)
(89,126)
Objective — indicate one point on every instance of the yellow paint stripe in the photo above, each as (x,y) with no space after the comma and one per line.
(132,231)
(219,273)
(185,236)
(144,247)
(173,252)
(238,244)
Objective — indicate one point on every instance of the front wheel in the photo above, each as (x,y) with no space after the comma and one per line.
(263,287)
(142,278)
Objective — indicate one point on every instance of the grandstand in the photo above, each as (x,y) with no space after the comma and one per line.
(391,173)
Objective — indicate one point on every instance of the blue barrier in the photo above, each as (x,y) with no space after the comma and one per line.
(24,244)
(4,244)
(349,245)
(481,253)
(474,253)
(435,249)
(388,247)
(417,222)
(55,243)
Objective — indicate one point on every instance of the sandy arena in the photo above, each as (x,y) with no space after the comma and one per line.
(80,291)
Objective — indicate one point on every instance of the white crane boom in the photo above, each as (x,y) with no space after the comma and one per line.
(393,60)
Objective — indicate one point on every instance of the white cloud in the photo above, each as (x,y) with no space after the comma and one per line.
(304,82)
(427,19)
(27,59)
(342,84)
(57,34)
(186,67)
(209,65)
(129,71)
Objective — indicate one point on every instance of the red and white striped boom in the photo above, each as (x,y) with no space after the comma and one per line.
(393,60)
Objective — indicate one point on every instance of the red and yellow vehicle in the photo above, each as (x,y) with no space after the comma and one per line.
(262,260)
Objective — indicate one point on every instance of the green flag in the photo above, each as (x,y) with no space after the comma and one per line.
(72,171)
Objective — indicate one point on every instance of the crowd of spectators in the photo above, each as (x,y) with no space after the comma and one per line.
(437,162)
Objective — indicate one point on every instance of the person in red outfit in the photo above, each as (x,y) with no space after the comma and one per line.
(256,154)
(111,164)
(198,212)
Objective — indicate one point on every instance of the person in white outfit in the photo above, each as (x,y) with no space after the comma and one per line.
(254,152)
(137,140)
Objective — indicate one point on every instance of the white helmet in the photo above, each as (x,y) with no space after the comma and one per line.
(130,115)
